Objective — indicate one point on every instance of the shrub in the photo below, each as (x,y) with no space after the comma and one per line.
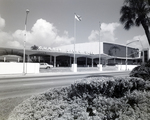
(110,87)
(142,71)
(95,98)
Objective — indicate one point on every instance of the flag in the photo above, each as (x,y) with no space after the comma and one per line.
(77,17)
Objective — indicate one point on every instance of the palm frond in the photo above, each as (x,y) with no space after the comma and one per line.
(138,21)
(128,24)
(126,14)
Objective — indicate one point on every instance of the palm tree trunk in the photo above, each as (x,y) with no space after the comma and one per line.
(147,32)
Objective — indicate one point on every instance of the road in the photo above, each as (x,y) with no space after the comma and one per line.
(22,86)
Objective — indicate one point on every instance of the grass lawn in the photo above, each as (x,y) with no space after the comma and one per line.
(7,105)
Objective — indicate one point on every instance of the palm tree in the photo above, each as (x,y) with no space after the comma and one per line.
(135,13)
(34,47)
(115,47)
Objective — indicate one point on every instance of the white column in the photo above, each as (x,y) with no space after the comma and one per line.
(92,62)
(54,61)
(4,59)
(39,58)
(18,59)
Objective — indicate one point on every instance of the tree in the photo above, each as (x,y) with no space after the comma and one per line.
(148,1)
(34,47)
(135,13)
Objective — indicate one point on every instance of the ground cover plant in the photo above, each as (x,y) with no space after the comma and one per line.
(95,98)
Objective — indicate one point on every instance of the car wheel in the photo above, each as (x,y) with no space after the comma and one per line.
(48,68)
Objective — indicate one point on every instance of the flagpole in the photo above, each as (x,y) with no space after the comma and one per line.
(74,66)
(24,46)
(99,44)
(74,38)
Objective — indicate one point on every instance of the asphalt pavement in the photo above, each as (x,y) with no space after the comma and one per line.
(60,72)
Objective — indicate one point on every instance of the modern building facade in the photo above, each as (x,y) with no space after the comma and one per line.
(86,54)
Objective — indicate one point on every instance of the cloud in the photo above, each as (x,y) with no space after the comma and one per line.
(94,35)
(42,33)
(45,34)
(143,43)
(6,40)
(2,23)
(106,33)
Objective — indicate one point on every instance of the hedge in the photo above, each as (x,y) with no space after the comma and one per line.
(95,98)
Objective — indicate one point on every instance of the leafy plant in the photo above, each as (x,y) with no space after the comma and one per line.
(142,71)
(96,98)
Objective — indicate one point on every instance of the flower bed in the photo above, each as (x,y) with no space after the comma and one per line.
(95,98)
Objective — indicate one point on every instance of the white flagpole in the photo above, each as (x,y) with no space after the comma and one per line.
(99,44)
(74,66)
(24,47)
(74,38)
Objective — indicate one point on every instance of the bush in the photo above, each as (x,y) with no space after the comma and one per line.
(142,71)
(95,98)
(109,87)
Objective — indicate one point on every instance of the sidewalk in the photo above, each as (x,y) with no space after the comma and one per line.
(54,73)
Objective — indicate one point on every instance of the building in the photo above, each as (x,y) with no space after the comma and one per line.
(86,54)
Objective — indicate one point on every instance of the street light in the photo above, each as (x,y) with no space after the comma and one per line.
(27,11)
(100,68)
(127,50)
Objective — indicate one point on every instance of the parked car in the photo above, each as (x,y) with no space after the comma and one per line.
(45,65)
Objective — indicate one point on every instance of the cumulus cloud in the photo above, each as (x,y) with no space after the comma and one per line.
(2,23)
(43,33)
(6,40)
(94,35)
(143,43)
(106,33)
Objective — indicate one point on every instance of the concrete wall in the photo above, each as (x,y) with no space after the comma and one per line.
(123,67)
(16,68)
(89,47)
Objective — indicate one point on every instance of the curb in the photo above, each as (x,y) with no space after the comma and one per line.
(37,75)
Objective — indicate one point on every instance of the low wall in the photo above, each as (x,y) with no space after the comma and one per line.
(16,68)
(129,67)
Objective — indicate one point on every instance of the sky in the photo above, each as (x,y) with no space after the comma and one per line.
(50,23)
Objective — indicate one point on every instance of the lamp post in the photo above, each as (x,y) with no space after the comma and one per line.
(100,67)
(27,11)
(127,51)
